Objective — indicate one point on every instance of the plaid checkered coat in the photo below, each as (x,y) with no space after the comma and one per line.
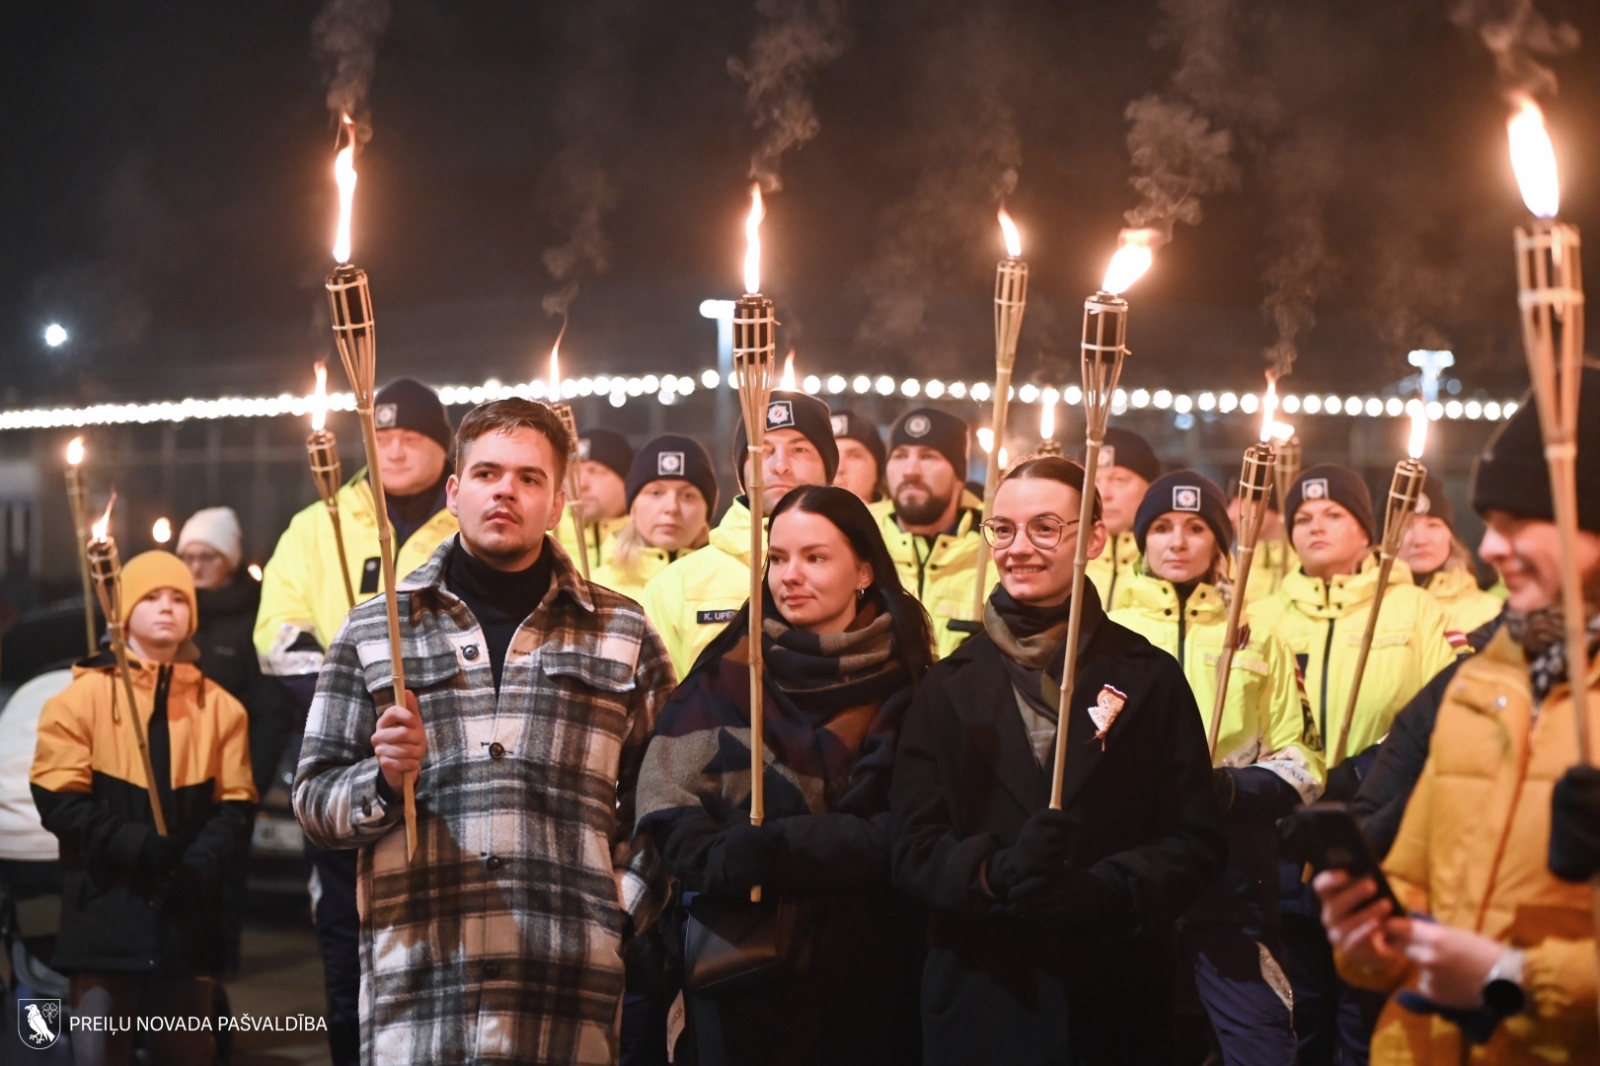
(501,941)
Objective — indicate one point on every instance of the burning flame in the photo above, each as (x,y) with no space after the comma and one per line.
(1047,415)
(1419,433)
(1008,229)
(1135,253)
(1533,158)
(786,383)
(1271,428)
(161,532)
(986,439)
(319,402)
(75,451)
(344,173)
(102,527)
(752,241)
(555,364)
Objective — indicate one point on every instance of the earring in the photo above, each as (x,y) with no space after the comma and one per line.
(861,594)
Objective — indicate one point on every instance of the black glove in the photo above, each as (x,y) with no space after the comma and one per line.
(158,855)
(1343,782)
(1041,847)
(743,857)
(1056,900)
(1226,788)
(1575,825)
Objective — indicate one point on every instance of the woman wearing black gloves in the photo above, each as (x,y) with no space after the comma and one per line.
(844,645)
(1051,938)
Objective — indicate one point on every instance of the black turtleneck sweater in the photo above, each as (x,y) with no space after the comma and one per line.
(407,514)
(499,599)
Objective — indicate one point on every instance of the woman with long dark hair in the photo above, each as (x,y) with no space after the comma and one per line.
(844,647)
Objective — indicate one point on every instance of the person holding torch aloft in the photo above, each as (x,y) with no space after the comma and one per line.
(1267,763)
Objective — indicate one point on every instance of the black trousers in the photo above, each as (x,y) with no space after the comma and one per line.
(338,926)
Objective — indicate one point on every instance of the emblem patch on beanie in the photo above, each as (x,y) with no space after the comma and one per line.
(1185,498)
(1424,505)
(841,425)
(583,449)
(669,464)
(780,413)
(918,426)
(385,415)
(1108,455)
(1315,488)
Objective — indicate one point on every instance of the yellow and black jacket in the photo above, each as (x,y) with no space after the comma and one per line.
(90,787)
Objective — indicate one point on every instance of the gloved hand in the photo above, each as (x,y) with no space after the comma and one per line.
(1343,782)
(1056,900)
(1041,848)
(1575,825)
(1226,788)
(744,856)
(158,855)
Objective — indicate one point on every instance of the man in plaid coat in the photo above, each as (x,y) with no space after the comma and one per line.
(531,695)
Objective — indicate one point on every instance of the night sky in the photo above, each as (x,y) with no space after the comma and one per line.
(168,194)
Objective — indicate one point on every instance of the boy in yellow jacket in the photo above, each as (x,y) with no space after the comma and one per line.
(142,927)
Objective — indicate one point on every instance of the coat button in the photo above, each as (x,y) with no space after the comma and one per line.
(491,970)
(497,750)
(470,652)
(494,862)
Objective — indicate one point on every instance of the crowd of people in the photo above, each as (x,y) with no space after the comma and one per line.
(589,886)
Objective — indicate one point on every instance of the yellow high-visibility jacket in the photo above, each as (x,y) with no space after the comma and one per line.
(1465,605)
(1472,852)
(1274,560)
(694,599)
(301,590)
(649,562)
(1266,720)
(1118,562)
(943,577)
(1323,622)
(600,539)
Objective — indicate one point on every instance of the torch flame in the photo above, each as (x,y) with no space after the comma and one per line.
(986,439)
(1419,433)
(1533,159)
(786,383)
(752,241)
(1008,230)
(344,173)
(99,530)
(319,402)
(1047,414)
(555,364)
(1135,253)
(1271,428)
(75,451)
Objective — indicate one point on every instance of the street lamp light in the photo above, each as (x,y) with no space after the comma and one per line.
(55,334)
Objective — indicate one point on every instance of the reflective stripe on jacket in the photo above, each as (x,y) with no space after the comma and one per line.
(1117,563)
(944,576)
(692,600)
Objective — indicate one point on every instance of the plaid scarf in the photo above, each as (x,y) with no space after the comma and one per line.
(1032,643)
(1542,636)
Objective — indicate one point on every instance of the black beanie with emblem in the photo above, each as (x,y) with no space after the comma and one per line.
(847,425)
(1434,503)
(610,450)
(406,403)
(674,458)
(1125,448)
(939,430)
(794,410)
(1185,491)
(1340,484)
(1511,474)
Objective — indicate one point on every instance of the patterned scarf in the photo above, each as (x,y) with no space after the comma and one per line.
(1032,643)
(1542,636)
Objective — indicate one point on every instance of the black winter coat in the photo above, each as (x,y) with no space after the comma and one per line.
(225,638)
(996,990)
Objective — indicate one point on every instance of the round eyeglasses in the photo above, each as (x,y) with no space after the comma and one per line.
(1045,531)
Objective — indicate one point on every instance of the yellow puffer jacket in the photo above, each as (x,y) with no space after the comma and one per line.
(647,564)
(1274,560)
(1472,853)
(1323,621)
(943,577)
(301,590)
(694,599)
(1116,565)
(601,540)
(1265,721)
(1465,605)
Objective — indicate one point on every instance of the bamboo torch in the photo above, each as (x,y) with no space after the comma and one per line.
(1010,301)
(1104,346)
(1404,489)
(356,333)
(754,360)
(105,567)
(78,497)
(1255,489)
(563,411)
(1048,445)
(322,448)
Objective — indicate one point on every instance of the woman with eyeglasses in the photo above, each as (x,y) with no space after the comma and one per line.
(1051,931)
(1268,761)
(844,646)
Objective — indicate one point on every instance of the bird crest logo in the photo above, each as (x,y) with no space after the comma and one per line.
(1185,498)
(669,464)
(39,1022)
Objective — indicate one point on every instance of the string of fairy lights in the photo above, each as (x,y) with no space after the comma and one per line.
(671,388)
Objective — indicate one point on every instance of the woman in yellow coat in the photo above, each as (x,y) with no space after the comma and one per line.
(671,492)
(1268,759)
(1442,565)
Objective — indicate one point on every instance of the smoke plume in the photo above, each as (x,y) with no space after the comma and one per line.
(796,37)
(345,37)
(1517,36)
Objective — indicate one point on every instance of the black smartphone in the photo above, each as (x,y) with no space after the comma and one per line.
(1326,835)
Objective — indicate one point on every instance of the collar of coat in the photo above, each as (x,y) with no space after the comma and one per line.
(565,577)
(732,534)
(1342,594)
(1451,583)
(1157,598)
(1122,551)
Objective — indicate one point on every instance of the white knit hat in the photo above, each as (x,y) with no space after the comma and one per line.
(217,527)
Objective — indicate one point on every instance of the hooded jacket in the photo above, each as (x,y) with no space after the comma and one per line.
(90,787)
(600,538)
(1465,605)
(694,599)
(942,576)
(1115,566)
(1323,622)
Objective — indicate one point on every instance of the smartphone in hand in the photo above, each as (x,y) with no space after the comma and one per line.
(1326,835)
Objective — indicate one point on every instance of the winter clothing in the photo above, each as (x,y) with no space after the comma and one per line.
(847,425)
(936,429)
(1186,492)
(536,841)
(1273,560)
(408,404)
(1472,853)
(694,599)
(797,411)
(134,900)
(1340,484)
(673,458)
(647,564)
(1511,474)
(610,450)
(598,537)
(1118,563)
(832,706)
(149,571)
(22,837)
(1575,825)
(1466,607)
(216,528)
(940,571)
(1089,980)
(1125,448)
